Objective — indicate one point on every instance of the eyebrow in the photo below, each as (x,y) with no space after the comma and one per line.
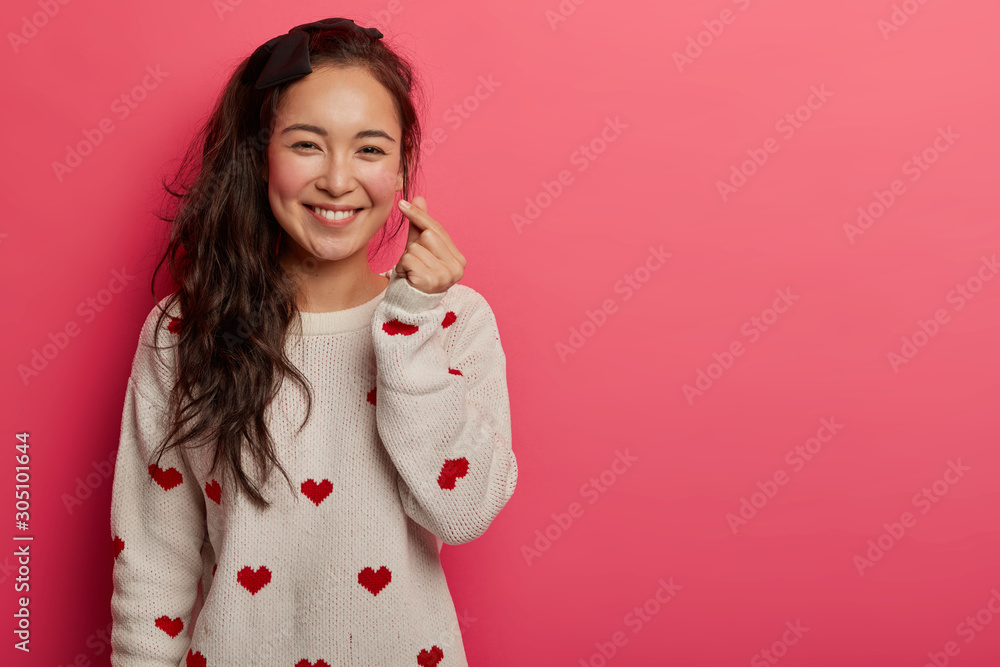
(363,134)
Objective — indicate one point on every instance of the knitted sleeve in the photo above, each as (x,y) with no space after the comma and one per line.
(157,523)
(442,410)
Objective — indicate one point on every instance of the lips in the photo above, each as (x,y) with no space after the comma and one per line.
(333,223)
(317,209)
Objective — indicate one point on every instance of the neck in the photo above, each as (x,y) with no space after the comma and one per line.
(327,286)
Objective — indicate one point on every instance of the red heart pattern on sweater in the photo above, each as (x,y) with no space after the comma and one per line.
(430,658)
(253,580)
(214,491)
(168,478)
(452,470)
(119,544)
(172,626)
(317,492)
(375,581)
(396,328)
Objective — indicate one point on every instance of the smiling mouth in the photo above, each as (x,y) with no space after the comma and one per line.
(334,216)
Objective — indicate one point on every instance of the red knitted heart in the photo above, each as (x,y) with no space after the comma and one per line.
(397,328)
(214,491)
(175,325)
(454,371)
(375,581)
(449,319)
(452,470)
(168,478)
(119,544)
(196,659)
(430,658)
(254,581)
(172,627)
(305,663)
(317,492)
(371,396)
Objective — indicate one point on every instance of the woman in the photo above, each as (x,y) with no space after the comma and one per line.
(335,562)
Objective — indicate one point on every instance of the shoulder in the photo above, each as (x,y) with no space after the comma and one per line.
(155,362)
(163,322)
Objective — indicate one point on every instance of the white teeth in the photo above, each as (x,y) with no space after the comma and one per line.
(334,215)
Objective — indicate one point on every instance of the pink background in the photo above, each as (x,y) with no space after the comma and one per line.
(784,226)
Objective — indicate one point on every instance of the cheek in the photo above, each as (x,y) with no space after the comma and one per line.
(380,182)
(286,177)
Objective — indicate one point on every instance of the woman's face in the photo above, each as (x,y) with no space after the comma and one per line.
(336,143)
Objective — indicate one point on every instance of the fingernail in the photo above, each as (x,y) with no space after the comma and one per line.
(404,203)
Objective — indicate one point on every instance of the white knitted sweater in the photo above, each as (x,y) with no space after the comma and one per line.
(408,446)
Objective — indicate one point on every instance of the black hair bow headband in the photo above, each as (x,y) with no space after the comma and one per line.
(286,57)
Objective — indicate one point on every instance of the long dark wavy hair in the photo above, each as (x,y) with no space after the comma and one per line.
(236,300)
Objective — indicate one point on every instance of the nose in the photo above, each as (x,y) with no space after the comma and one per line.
(337,175)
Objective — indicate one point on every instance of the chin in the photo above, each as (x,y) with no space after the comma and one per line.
(332,254)
(329,256)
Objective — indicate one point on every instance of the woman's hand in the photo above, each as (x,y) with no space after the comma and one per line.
(431,262)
